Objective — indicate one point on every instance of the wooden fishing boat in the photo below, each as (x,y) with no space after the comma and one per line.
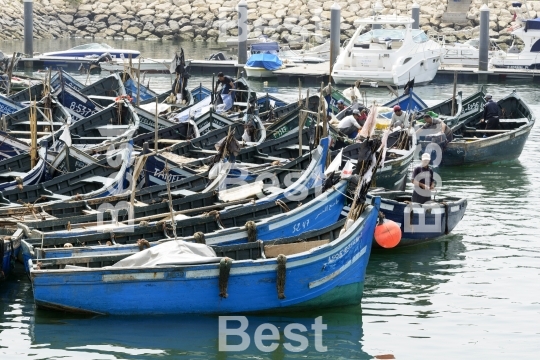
(9,106)
(17,172)
(78,105)
(11,146)
(200,92)
(301,282)
(51,116)
(420,223)
(106,177)
(443,111)
(305,188)
(469,147)
(10,247)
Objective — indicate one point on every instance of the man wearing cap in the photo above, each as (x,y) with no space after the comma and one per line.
(350,125)
(399,118)
(341,105)
(435,126)
(491,115)
(423,181)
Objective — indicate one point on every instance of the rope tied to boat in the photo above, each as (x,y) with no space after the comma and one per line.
(224,271)
(282,205)
(143,244)
(68,226)
(199,237)
(215,215)
(251,228)
(281,275)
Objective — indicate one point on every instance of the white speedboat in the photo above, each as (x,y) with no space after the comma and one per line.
(393,54)
(264,60)
(93,49)
(465,54)
(528,30)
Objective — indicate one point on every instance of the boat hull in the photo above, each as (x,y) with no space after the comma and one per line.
(496,149)
(9,251)
(327,276)
(421,223)
(258,72)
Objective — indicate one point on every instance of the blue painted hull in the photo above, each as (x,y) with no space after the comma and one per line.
(9,252)
(200,93)
(329,275)
(422,223)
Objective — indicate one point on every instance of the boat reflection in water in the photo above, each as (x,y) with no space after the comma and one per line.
(193,337)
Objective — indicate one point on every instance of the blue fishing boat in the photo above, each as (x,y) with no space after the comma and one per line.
(9,106)
(268,102)
(12,177)
(420,223)
(11,146)
(77,104)
(9,251)
(200,92)
(322,269)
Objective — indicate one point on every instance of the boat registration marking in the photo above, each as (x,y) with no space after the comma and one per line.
(454,208)
(327,278)
(133,277)
(387,207)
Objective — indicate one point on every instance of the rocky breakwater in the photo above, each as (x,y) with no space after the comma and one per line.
(216,20)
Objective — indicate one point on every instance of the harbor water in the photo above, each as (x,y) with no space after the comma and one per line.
(472,294)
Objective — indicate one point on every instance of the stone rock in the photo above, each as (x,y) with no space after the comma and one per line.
(113,20)
(115,27)
(163,30)
(146,12)
(125,24)
(173,25)
(100,25)
(100,17)
(149,27)
(133,30)
(147,18)
(143,35)
(67,19)
(81,22)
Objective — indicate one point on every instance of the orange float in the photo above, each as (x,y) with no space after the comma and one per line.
(388,234)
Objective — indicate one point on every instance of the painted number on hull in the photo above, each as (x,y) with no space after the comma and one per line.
(472,107)
(81,109)
(302,225)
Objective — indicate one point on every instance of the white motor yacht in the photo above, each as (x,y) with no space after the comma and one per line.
(392,54)
(529,57)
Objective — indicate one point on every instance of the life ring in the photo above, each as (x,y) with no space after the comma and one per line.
(127,97)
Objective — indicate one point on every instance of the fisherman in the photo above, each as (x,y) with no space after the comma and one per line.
(422,180)
(227,83)
(437,125)
(399,118)
(350,125)
(341,105)
(491,115)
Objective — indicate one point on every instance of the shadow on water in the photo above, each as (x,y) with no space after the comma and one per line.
(400,282)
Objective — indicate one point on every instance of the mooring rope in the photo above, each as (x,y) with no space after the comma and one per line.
(224,271)
(281,276)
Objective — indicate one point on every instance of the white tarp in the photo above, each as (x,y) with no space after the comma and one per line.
(174,252)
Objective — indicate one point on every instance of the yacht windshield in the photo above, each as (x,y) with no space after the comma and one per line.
(381,35)
(91,46)
(419,36)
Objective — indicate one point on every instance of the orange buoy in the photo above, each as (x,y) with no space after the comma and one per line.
(388,234)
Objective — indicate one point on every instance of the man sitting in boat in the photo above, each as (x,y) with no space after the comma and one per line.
(399,118)
(350,125)
(227,83)
(435,126)
(422,180)
(491,115)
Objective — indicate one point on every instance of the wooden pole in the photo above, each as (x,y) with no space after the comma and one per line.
(156,127)
(33,135)
(139,83)
(10,74)
(454,94)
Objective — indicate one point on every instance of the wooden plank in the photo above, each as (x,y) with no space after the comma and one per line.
(487,131)
(272,251)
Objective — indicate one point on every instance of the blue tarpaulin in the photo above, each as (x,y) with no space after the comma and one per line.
(268,61)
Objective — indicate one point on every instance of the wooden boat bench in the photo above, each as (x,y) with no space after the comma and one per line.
(271,158)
